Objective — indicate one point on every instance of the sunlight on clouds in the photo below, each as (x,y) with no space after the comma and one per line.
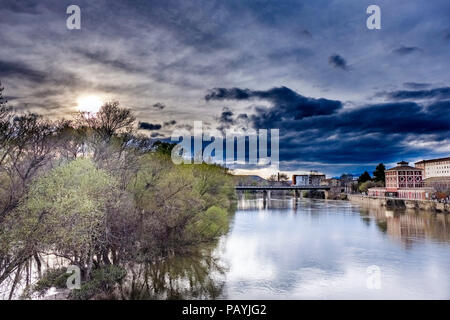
(89,104)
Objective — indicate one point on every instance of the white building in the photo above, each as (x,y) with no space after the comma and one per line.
(310,179)
(435,167)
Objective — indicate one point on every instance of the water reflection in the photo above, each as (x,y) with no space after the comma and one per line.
(321,249)
(308,249)
(408,226)
(194,275)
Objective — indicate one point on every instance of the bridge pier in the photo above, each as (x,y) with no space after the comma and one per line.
(265,198)
(326,193)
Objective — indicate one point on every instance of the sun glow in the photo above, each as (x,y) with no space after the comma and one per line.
(89,104)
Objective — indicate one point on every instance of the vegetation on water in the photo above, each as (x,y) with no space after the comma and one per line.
(94,192)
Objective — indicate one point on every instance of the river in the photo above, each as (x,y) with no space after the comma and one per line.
(310,249)
(325,249)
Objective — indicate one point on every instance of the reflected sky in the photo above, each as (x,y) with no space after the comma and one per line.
(319,249)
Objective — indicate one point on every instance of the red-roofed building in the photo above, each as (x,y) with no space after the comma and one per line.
(403,181)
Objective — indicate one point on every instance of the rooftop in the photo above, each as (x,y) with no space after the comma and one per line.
(434,160)
(403,165)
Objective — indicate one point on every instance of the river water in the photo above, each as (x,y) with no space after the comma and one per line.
(325,249)
(310,249)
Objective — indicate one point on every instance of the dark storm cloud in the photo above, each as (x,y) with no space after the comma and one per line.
(376,132)
(402,51)
(404,118)
(228,94)
(416,85)
(100,57)
(286,102)
(149,126)
(437,93)
(155,134)
(338,62)
(185,126)
(21,71)
(170,123)
(370,134)
(243,116)
(159,105)
(226,117)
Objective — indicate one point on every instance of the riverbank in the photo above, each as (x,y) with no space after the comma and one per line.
(425,205)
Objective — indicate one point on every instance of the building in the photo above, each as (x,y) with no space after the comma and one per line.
(435,167)
(332,182)
(405,182)
(309,179)
(403,176)
(436,175)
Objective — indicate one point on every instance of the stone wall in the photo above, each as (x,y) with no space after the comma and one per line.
(424,205)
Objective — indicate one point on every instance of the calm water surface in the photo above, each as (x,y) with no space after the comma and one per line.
(321,249)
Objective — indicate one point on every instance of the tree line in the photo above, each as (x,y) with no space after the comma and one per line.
(365,181)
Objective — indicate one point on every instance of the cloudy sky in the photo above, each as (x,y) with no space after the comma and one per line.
(344,97)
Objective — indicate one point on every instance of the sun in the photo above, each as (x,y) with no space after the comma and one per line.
(89,104)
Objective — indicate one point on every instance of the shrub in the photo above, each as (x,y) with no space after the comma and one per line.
(51,278)
(102,281)
(210,224)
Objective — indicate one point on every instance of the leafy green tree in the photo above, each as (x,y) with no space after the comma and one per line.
(214,184)
(64,213)
(209,224)
(378,174)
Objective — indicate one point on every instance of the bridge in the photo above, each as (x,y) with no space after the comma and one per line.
(262,188)
(266,189)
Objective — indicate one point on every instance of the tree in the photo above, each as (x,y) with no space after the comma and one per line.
(110,120)
(5,126)
(378,174)
(364,177)
(163,147)
(365,186)
(109,130)
(63,213)
(3,101)
(92,192)
(283,177)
